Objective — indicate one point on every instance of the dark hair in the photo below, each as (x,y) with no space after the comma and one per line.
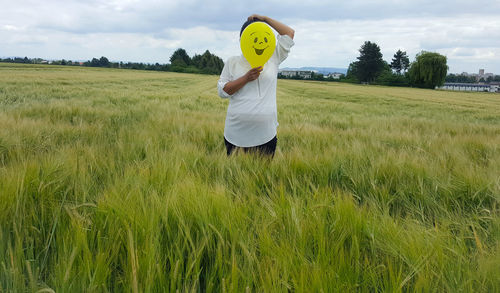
(247,23)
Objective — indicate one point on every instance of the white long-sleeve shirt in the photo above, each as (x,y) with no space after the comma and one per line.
(252,117)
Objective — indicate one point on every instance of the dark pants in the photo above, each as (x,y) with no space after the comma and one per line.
(266,149)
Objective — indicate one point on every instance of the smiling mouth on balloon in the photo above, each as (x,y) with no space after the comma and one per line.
(260,51)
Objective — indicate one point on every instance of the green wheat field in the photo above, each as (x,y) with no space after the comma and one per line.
(117,181)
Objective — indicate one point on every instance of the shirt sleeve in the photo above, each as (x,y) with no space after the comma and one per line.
(224,78)
(283,47)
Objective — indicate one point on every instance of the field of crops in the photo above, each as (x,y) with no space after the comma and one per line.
(117,180)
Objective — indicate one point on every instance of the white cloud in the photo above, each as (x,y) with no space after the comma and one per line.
(327,33)
(9,27)
(337,42)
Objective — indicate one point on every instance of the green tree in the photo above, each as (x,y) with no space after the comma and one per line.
(452,78)
(196,60)
(429,70)
(211,63)
(352,72)
(208,63)
(103,62)
(400,62)
(317,76)
(370,63)
(388,78)
(94,62)
(180,58)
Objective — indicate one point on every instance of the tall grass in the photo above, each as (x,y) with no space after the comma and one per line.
(117,180)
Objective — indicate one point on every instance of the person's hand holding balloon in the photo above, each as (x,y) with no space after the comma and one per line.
(253,73)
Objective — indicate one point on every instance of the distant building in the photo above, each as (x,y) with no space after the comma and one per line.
(334,75)
(483,75)
(487,75)
(480,75)
(296,73)
(471,87)
(495,86)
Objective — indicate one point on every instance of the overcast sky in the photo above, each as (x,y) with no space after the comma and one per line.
(327,33)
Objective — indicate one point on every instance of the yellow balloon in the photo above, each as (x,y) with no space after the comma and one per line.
(257,43)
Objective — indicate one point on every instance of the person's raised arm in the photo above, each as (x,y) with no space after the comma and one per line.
(281,28)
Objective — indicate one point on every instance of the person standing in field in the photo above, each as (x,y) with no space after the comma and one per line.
(251,118)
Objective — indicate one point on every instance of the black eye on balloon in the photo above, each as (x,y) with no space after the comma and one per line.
(265,39)
(255,40)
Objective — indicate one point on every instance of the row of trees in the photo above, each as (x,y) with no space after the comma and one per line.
(461,78)
(207,63)
(21,60)
(427,71)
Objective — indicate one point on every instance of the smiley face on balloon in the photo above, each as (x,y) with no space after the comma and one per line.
(260,41)
(257,43)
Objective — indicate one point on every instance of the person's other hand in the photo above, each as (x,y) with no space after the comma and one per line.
(253,73)
(257,17)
